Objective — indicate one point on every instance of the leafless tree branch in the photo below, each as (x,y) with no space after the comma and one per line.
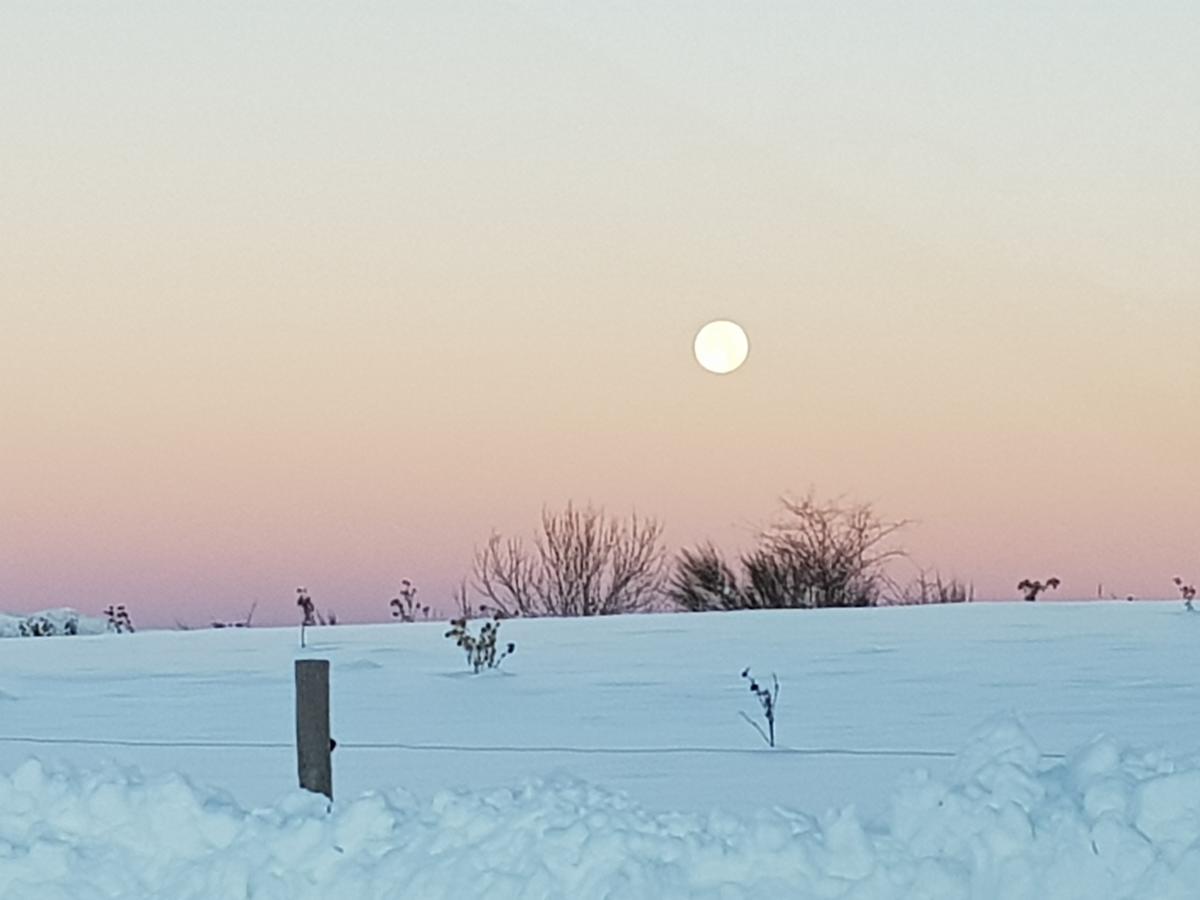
(583,563)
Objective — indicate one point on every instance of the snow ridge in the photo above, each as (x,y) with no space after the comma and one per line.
(1108,823)
(63,620)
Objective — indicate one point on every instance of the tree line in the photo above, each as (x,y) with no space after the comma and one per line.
(584,562)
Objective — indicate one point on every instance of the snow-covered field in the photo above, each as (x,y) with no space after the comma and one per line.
(932,753)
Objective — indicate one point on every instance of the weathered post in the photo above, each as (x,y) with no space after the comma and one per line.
(314,749)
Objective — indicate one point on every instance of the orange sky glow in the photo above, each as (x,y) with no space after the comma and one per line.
(305,297)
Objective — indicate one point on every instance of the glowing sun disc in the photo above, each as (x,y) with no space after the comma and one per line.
(721,346)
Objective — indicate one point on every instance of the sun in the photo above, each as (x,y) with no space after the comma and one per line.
(721,346)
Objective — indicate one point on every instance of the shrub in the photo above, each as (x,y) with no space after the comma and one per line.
(768,700)
(307,608)
(405,607)
(928,589)
(583,563)
(703,581)
(118,619)
(813,555)
(1033,588)
(481,651)
(309,611)
(1187,592)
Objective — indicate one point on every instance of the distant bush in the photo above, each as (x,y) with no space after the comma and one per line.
(481,651)
(704,582)
(813,555)
(582,563)
(1031,589)
(118,619)
(405,607)
(308,613)
(1187,592)
(308,610)
(928,589)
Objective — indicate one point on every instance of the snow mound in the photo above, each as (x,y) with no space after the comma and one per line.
(1106,823)
(61,621)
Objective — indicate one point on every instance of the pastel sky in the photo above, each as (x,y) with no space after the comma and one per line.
(320,294)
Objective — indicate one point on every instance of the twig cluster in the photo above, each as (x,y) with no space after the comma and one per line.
(1187,592)
(583,562)
(1033,588)
(481,651)
(930,588)
(310,613)
(118,619)
(245,623)
(768,700)
(405,607)
(306,606)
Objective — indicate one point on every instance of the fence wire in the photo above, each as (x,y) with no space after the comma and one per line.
(878,752)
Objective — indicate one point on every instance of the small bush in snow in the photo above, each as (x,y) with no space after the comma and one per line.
(308,610)
(1187,592)
(405,607)
(1033,588)
(311,615)
(481,651)
(42,626)
(306,607)
(118,619)
(768,700)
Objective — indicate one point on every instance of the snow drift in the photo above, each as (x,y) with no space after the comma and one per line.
(59,622)
(1108,822)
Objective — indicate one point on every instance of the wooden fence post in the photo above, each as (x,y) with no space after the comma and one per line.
(314,748)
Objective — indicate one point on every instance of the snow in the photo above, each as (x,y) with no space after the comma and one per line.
(59,619)
(1014,752)
(1002,827)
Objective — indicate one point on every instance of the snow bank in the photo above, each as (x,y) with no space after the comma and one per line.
(64,621)
(1107,823)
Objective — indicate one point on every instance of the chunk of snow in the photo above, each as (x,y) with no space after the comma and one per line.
(58,619)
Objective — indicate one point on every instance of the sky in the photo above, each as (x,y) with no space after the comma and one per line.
(313,294)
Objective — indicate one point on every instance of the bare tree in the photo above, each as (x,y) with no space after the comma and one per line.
(583,563)
(505,576)
(813,555)
(461,597)
(842,549)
